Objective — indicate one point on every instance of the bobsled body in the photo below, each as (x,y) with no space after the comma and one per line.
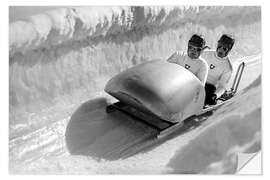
(158,87)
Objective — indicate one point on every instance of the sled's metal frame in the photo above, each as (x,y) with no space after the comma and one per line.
(147,118)
(166,127)
(229,94)
(238,77)
(162,126)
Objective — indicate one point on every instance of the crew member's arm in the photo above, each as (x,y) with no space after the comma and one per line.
(203,72)
(175,57)
(225,77)
(224,80)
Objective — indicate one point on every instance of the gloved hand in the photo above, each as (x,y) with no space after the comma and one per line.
(214,99)
(226,95)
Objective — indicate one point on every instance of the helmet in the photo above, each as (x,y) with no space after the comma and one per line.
(226,40)
(197,40)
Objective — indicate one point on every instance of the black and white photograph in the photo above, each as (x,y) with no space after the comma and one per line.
(139,89)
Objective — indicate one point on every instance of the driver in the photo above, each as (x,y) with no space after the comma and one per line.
(220,68)
(192,60)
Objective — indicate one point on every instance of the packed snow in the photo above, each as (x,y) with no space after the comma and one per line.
(60,61)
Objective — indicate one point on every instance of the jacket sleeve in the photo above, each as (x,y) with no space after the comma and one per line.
(175,57)
(225,77)
(203,73)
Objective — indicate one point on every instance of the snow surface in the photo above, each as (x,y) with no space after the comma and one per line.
(60,61)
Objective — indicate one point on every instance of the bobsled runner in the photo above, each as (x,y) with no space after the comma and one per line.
(162,94)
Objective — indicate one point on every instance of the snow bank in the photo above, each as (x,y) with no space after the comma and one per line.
(65,24)
(215,151)
(237,129)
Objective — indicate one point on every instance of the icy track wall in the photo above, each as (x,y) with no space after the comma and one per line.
(69,54)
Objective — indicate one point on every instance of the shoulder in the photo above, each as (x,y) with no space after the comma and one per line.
(227,65)
(208,51)
(178,54)
(208,54)
(176,57)
(203,62)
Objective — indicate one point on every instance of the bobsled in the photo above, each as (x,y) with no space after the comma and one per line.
(158,89)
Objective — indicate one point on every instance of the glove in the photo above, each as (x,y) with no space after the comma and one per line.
(214,99)
(226,95)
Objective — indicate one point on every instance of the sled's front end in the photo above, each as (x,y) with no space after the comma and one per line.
(164,89)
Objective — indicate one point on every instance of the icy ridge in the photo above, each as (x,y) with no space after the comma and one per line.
(61,25)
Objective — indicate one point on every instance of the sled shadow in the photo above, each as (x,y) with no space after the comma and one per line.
(93,132)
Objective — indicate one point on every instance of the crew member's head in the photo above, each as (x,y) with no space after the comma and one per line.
(225,44)
(195,46)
